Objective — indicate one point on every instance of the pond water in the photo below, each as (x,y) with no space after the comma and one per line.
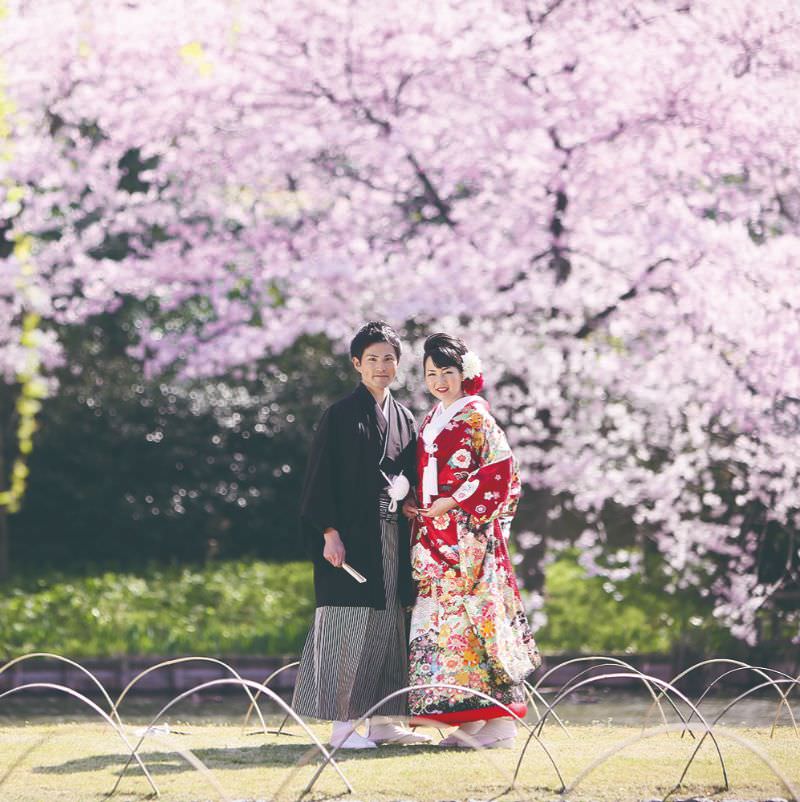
(604,706)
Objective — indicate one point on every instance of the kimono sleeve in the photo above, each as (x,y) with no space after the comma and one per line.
(491,490)
(509,507)
(318,508)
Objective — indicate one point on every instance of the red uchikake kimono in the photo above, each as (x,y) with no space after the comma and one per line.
(468,625)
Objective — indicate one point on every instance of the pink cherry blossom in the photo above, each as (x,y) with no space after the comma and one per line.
(601,198)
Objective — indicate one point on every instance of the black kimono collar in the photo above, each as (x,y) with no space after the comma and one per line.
(389,442)
(364,395)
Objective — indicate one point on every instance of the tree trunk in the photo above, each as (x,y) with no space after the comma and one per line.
(5,567)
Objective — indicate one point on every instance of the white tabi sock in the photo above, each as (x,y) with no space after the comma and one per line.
(471,727)
(497,730)
(344,736)
(385,730)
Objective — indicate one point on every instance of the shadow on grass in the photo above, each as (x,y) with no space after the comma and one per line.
(265,756)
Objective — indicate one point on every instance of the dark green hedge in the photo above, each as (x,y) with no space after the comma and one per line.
(230,608)
(260,608)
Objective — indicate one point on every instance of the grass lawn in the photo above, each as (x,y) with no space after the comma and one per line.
(81,762)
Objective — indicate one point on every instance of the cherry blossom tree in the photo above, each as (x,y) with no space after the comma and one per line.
(601,197)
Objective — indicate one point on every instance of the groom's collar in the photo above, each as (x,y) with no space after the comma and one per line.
(365,396)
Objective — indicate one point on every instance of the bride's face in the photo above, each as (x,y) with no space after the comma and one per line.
(443,383)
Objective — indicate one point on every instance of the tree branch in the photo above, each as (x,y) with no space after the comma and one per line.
(431,192)
(595,320)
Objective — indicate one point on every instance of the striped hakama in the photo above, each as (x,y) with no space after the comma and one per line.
(354,656)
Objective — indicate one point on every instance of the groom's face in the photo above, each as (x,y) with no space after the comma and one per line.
(377,366)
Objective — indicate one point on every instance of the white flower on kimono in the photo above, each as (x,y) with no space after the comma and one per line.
(480,509)
(466,490)
(450,553)
(423,563)
(490,494)
(461,458)
(441,521)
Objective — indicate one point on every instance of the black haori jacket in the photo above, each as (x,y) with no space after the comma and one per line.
(342,486)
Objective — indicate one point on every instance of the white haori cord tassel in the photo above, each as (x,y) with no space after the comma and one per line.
(398,489)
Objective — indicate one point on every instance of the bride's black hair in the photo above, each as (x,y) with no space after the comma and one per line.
(445,350)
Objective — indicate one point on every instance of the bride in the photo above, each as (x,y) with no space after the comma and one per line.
(468,625)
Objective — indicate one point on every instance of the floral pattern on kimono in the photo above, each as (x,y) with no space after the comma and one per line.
(468,625)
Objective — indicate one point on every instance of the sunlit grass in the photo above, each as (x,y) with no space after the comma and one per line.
(79,762)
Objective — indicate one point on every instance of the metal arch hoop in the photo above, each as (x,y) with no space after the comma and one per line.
(773,683)
(713,661)
(100,712)
(721,714)
(250,683)
(442,686)
(778,711)
(265,683)
(675,728)
(193,658)
(112,711)
(609,662)
(621,675)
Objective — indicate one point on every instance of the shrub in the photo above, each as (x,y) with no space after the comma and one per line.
(228,608)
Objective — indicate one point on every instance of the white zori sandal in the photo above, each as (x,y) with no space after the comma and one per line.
(497,733)
(463,735)
(384,730)
(343,736)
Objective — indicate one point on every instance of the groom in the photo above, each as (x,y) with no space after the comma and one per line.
(356,650)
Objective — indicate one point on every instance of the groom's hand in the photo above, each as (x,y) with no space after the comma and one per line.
(333,551)
(410,508)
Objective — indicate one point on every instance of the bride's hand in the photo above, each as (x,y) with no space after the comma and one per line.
(439,507)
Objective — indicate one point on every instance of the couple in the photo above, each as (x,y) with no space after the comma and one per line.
(458,487)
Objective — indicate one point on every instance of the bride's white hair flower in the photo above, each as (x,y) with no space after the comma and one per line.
(472,365)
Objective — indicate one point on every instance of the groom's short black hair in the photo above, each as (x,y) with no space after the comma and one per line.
(376,331)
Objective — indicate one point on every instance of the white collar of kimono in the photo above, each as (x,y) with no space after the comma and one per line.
(441,417)
(385,405)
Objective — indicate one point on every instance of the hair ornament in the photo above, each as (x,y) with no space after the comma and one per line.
(472,365)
